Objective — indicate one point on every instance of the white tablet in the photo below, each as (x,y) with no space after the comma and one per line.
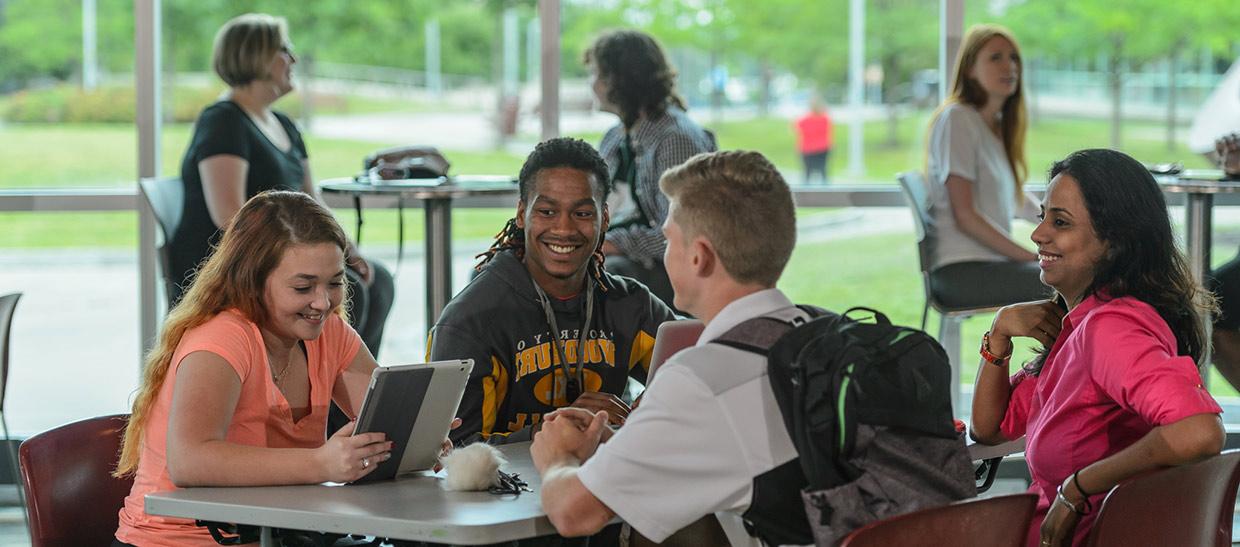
(413,405)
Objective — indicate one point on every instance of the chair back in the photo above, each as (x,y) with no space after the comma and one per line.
(1189,505)
(8,305)
(991,522)
(672,337)
(917,195)
(71,495)
(166,198)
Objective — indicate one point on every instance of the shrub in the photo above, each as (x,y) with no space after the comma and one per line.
(116,104)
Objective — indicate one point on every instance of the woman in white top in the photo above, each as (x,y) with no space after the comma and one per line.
(976,169)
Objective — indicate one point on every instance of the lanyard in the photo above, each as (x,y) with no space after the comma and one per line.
(573,382)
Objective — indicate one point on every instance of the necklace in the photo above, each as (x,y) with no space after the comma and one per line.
(288,363)
(279,375)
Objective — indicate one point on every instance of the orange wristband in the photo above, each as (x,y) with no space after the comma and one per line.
(996,360)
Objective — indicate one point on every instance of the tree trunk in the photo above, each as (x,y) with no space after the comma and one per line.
(1172,63)
(890,70)
(764,92)
(307,90)
(893,125)
(497,76)
(1116,81)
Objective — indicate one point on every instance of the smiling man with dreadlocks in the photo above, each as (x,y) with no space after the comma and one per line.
(542,295)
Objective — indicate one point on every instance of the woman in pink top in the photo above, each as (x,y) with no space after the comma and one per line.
(237,389)
(1118,392)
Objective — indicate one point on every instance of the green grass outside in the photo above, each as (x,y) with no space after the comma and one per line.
(877,271)
(1049,139)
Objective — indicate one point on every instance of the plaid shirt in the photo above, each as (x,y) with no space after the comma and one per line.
(658,145)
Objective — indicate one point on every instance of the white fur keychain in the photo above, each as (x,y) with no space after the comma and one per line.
(474,467)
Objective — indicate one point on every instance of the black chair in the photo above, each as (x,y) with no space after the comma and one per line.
(8,305)
(166,198)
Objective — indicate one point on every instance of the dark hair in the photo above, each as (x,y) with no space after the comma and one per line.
(1129,214)
(549,154)
(639,77)
(565,152)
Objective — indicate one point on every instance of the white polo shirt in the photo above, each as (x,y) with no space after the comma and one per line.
(691,449)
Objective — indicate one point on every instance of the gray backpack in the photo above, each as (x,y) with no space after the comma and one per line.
(868,407)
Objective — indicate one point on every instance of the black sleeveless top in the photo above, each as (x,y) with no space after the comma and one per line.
(224,128)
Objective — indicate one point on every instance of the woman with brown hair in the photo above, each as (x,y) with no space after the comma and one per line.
(237,388)
(242,146)
(632,78)
(975,169)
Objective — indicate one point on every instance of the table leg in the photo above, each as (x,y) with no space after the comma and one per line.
(438,257)
(1198,223)
(264,537)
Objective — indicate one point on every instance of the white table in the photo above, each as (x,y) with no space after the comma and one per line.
(415,508)
(436,196)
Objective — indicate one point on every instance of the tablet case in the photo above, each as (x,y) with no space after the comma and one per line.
(410,385)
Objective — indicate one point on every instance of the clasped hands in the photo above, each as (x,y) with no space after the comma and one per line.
(573,433)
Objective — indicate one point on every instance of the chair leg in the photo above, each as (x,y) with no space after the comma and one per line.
(925,313)
(17,474)
(949,338)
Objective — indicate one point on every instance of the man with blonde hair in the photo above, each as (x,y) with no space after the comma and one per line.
(708,436)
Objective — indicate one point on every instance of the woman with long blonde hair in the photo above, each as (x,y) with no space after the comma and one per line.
(975,169)
(236,390)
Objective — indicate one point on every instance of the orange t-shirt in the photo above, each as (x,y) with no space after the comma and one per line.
(262,417)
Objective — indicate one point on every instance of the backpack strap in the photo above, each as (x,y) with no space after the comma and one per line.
(757,335)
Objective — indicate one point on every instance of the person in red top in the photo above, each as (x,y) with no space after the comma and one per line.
(1118,392)
(814,140)
(237,388)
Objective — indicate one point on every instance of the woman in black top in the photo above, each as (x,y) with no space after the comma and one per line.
(241,147)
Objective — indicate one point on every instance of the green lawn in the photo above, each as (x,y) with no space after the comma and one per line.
(877,271)
(831,274)
(1049,139)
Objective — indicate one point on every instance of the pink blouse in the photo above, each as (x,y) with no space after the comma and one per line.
(1110,378)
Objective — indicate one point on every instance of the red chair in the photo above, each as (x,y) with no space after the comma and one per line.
(991,522)
(1188,506)
(71,495)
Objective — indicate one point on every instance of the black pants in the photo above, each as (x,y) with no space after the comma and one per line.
(816,162)
(1225,283)
(369,306)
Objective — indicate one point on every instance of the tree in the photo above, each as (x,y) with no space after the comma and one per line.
(903,36)
(1067,28)
(36,42)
